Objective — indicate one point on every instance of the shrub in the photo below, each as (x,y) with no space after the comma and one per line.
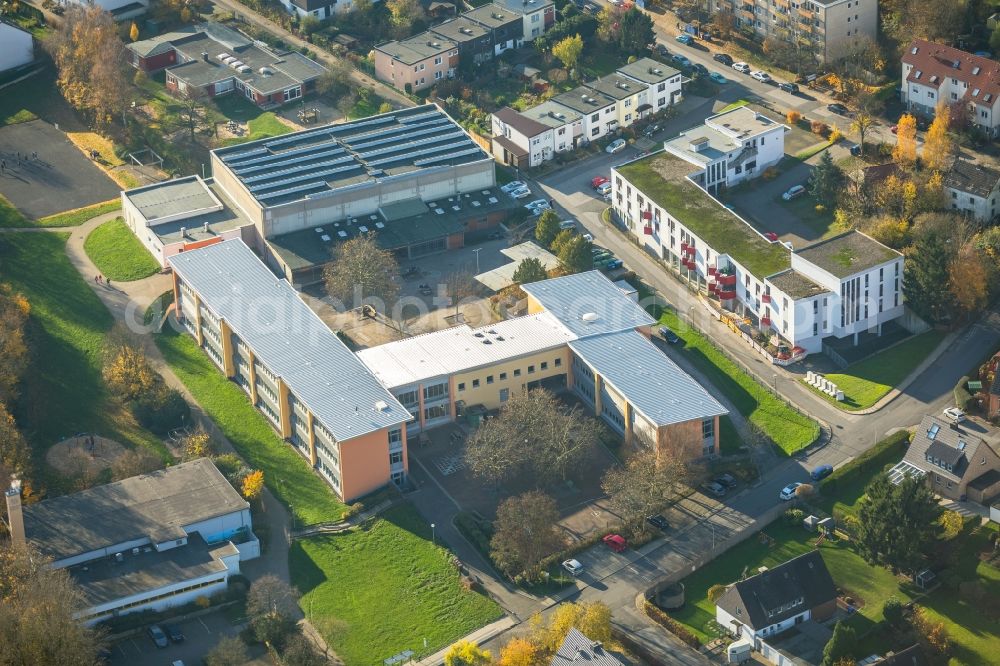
(793,117)
(716,591)
(890,449)
(835,135)
(672,625)
(963,399)
(819,127)
(161,411)
(794,516)
(820,208)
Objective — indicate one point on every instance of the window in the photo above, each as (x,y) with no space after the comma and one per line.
(437,60)
(396,457)
(517,372)
(531,369)
(708,429)
(438,74)
(534,18)
(489,379)
(461,386)
(436,391)
(422,67)
(545,365)
(558,362)
(475,383)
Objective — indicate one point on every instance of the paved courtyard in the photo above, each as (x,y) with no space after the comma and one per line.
(61,178)
(201,635)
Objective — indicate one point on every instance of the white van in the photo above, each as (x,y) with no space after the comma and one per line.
(604,189)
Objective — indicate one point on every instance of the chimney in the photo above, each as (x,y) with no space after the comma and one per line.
(204,56)
(15,515)
(184,232)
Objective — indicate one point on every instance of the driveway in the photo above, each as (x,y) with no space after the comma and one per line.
(201,635)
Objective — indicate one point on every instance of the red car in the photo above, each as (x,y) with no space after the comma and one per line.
(771,236)
(615,542)
(597,181)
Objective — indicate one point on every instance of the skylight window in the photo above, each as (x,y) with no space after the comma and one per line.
(975,71)
(975,92)
(934,79)
(914,50)
(917,74)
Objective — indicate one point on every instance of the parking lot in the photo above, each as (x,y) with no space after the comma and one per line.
(201,634)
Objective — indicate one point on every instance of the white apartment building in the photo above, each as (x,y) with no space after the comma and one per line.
(973,189)
(838,287)
(934,74)
(598,112)
(730,147)
(536,15)
(17,46)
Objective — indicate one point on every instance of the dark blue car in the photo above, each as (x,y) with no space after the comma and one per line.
(821,472)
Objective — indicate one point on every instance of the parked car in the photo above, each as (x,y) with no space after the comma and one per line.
(615,542)
(771,236)
(651,130)
(700,68)
(512,185)
(789,88)
(839,109)
(616,146)
(567,224)
(157,636)
(794,192)
(726,480)
(741,67)
(669,335)
(681,60)
(588,238)
(685,39)
(573,567)
(821,472)
(174,633)
(520,193)
(714,488)
(724,58)
(597,181)
(955,414)
(718,78)
(537,206)
(788,492)
(763,77)
(662,51)
(659,522)
(604,189)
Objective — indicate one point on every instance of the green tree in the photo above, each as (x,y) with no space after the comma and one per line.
(892,611)
(842,644)
(561,239)
(230,651)
(529,270)
(568,50)
(547,227)
(636,32)
(826,180)
(897,524)
(925,276)
(575,256)
(524,533)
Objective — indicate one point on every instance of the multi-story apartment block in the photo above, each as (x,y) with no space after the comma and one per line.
(839,287)
(730,147)
(416,63)
(973,189)
(936,74)
(823,28)
(308,385)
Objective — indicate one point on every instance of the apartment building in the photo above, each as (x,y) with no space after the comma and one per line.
(321,9)
(528,138)
(212,60)
(598,112)
(823,28)
(537,16)
(309,386)
(730,147)
(146,543)
(581,333)
(839,287)
(973,189)
(416,63)
(17,46)
(935,74)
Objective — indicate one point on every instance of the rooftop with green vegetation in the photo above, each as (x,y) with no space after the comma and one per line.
(663,178)
(848,254)
(796,284)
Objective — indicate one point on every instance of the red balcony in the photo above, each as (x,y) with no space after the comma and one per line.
(648,230)
(765,321)
(712,270)
(712,287)
(727,280)
(690,250)
(647,215)
(766,298)
(684,248)
(727,295)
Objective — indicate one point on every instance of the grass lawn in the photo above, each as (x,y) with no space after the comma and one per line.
(263,126)
(118,254)
(367,105)
(866,382)
(77,216)
(22,116)
(789,429)
(63,392)
(804,208)
(377,591)
(286,473)
(735,105)
(87,141)
(813,150)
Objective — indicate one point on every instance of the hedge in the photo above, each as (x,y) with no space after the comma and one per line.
(671,625)
(477,530)
(963,398)
(888,450)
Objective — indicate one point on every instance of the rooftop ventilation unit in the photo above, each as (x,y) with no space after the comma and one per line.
(266,71)
(325,238)
(319,230)
(244,69)
(382,406)
(590,317)
(342,234)
(236,64)
(228,59)
(363,229)
(223,56)
(699,144)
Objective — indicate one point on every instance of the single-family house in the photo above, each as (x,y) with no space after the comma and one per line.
(521,141)
(598,111)
(577,649)
(911,656)
(955,461)
(416,63)
(973,188)
(663,83)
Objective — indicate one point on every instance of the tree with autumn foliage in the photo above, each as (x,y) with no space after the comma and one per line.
(467,653)
(969,279)
(133,32)
(15,455)
(518,652)
(568,50)
(252,485)
(198,445)
(905,152)
(14,311)
(939,147)
(126,370)
(592,619)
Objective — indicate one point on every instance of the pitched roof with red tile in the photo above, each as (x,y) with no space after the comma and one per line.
(933,62)
(523,124)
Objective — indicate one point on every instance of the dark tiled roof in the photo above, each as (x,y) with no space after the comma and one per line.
(780,593)
(578,650)
(972,178)
(986,480)
(947,454)
(948,442)
(520,122)
(937,62)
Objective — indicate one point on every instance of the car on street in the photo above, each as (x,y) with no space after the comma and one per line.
(726,480)
(713,488)
(520,193)
(662,51)
(718,78)
(700,68)
(174,633)
(651,130)
(588,238)
(669,335)
(771,236)
(512,185)
(157,636)
(616,146)
(681,60)
(568,224)
(604,189)
(615,542)
(789,88)
(820,472)
(839,109)
(788,492)
(724,58)
(537,206)
(955,414)
(684,39)
(573,567)
(793,192)
(659,522)
(763,77)
(741,67)
(597,181)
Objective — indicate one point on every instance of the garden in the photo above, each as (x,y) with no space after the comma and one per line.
(118,254)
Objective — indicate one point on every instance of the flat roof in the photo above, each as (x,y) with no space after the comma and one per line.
(219,221)
(463,348)
(796,285)
(146,506)
(524,6)
(743,121)
(492,15)
(714,145)
(588,304)
(615,85)
(417,48)
(314,162)
(180,196)
(268,315)
(503,276)
(460,29)
(663,178)
(552,113)
(105,580)
(647,377)
(584,100)
(648,71)
(848,254)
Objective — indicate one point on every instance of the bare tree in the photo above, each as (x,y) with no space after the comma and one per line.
(524,533)
(271,608)
(230,651)
(361,270)
(461,285)
(646,482)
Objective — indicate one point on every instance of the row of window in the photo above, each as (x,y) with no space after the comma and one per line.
(158,597)
(544,365)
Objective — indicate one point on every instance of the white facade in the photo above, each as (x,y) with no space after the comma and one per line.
(16,47)
(540,147)
(982,209)
(728,621)
(321,12)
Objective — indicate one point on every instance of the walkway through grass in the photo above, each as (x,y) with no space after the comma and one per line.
(377,591)
(118,254)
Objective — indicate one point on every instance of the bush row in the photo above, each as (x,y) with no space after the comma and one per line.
(672,625)
(890,449)
(963,399)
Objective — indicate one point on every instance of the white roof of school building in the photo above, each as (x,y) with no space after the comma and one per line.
(289,338)
(463,348)
(651,381)
(588,304)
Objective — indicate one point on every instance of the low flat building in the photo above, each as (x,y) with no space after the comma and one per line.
(416,63)
(17,46)
(973,189)
(313,391)
(955,461)
(148,542)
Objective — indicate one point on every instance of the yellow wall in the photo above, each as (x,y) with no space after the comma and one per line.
(489,394)
(534,307)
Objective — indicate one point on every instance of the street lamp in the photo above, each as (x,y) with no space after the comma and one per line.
(433,535)
(477,251)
